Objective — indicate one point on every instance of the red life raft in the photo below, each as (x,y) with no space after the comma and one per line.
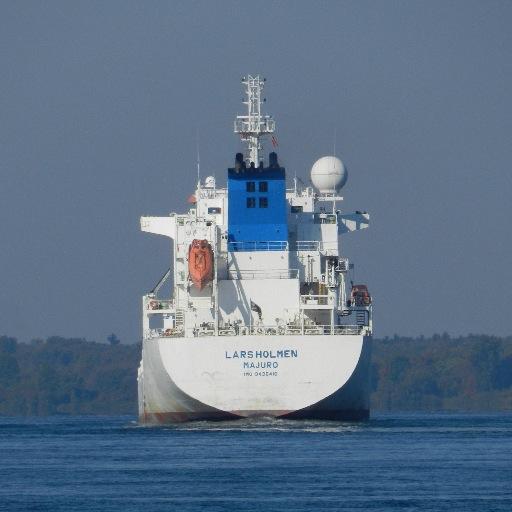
(200,263)
(360,296)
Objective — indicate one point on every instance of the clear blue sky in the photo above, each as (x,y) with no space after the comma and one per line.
(99,107)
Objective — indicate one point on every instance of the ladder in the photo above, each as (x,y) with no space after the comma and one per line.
(180,319)
(361,317)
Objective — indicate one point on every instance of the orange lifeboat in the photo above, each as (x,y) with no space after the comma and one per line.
(200,263)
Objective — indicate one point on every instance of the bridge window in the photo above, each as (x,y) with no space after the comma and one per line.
(263,202)
(263,186)
(296,208)
(250,186)
(251,202)
(214,209)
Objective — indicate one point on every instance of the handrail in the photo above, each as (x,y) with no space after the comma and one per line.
(276,245)
(307,245)
(258,245)
(313,245)
(262,330)
(290,273)
(321,300)
(154,304)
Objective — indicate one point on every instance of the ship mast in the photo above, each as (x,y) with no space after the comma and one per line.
(254,125)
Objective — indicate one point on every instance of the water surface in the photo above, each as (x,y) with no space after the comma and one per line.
(394,462)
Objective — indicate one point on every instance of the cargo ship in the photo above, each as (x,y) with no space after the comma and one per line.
(261,318)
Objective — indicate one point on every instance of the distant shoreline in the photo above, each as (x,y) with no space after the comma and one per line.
(439,374)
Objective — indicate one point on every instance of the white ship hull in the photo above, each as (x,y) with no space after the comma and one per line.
(219,378)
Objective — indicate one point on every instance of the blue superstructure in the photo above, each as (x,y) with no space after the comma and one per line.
(257,206)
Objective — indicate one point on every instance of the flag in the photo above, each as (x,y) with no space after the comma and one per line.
(256,308)
(274,142)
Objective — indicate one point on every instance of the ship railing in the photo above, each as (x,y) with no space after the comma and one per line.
(347,329)
(248,330)
(154,304)
(208,193)
(307,245)
(260,330)
(320,300)
(258,245)
(272,245)
(313,245)
(203,331)
(163,333)
(290,273)
(284,330)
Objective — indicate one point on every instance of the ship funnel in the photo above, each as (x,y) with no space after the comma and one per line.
(239,160)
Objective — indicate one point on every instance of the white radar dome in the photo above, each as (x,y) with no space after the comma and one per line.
(209,182)
(328,174)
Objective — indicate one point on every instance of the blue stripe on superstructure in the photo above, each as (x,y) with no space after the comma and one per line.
(257,208)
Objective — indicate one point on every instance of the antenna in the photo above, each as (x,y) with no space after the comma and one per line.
(300,181)
(198,161)
(254,125)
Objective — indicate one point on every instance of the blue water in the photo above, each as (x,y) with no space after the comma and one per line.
(394,462)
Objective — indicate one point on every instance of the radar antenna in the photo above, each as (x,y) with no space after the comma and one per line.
(254,125)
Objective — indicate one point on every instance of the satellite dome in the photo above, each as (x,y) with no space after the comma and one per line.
(328,174)
(209,182)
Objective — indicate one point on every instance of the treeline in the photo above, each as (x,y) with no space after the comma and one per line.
(67,376)
(74,376)
(471,373)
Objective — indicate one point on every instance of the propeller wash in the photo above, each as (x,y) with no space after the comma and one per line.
(259,322)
